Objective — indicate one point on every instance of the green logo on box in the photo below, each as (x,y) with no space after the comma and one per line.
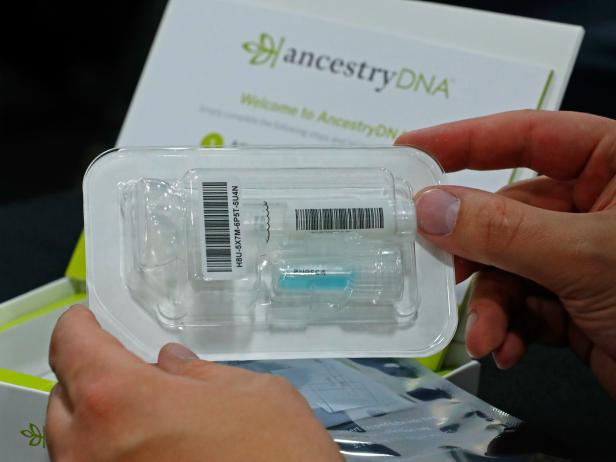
(266,50)
(35,436)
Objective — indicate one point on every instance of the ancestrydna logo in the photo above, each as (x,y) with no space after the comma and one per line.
(270,52)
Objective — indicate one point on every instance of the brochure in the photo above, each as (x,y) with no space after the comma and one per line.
(260,76)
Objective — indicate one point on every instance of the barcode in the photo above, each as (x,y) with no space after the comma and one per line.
(339,219)
(217,227)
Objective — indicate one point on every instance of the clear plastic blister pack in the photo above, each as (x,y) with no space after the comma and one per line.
(266,252)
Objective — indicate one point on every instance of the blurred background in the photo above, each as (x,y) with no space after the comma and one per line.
(67,74)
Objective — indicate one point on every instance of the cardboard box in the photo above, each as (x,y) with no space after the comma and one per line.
(26,321)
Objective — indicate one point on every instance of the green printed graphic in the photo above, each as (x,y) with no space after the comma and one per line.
(267,51)
(264,51)
(212,140)
(35,436)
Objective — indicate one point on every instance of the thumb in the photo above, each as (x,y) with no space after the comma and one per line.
(535,243)
(179,360)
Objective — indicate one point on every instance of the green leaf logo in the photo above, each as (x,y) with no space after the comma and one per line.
(264,51)
(35,436)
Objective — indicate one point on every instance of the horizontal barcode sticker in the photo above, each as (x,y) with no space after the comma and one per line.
(340,216)
(221,243)
(339,219)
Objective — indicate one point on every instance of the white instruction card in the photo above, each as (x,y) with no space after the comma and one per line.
(230,73)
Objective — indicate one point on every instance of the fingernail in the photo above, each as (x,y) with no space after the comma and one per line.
(437,211)
(470,320)
(497,363)
(180,351)
(56,390)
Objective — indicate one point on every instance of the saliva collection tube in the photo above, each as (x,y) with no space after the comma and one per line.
(329,244)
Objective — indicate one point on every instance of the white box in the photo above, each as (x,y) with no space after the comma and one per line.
(29,319)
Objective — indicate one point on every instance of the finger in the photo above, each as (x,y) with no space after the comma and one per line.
(58,421)
(557,144)
(512,350)
(522,330)
(176,359)
(545,320)
(539,319)
(465,268)
(81,351)
(579,343)
(543,192)
(496,231)
(604,368)
(494,296)
(607,197)
(539,192)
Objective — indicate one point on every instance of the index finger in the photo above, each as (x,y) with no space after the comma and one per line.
(81,351)
(556,144)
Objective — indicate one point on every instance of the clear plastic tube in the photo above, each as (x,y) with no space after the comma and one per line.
(371,276)
(300,237)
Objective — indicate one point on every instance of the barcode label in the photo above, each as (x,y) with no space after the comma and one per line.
(217,227)
(222,242)
(339,219)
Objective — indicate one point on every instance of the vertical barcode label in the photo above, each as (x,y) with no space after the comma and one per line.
(217,226)
(339,219)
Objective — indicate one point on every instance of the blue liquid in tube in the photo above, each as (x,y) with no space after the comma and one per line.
(315,280)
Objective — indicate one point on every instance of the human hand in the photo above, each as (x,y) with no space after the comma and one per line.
(545,247)
(111,406)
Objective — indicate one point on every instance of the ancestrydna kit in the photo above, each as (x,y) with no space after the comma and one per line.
(267,252)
